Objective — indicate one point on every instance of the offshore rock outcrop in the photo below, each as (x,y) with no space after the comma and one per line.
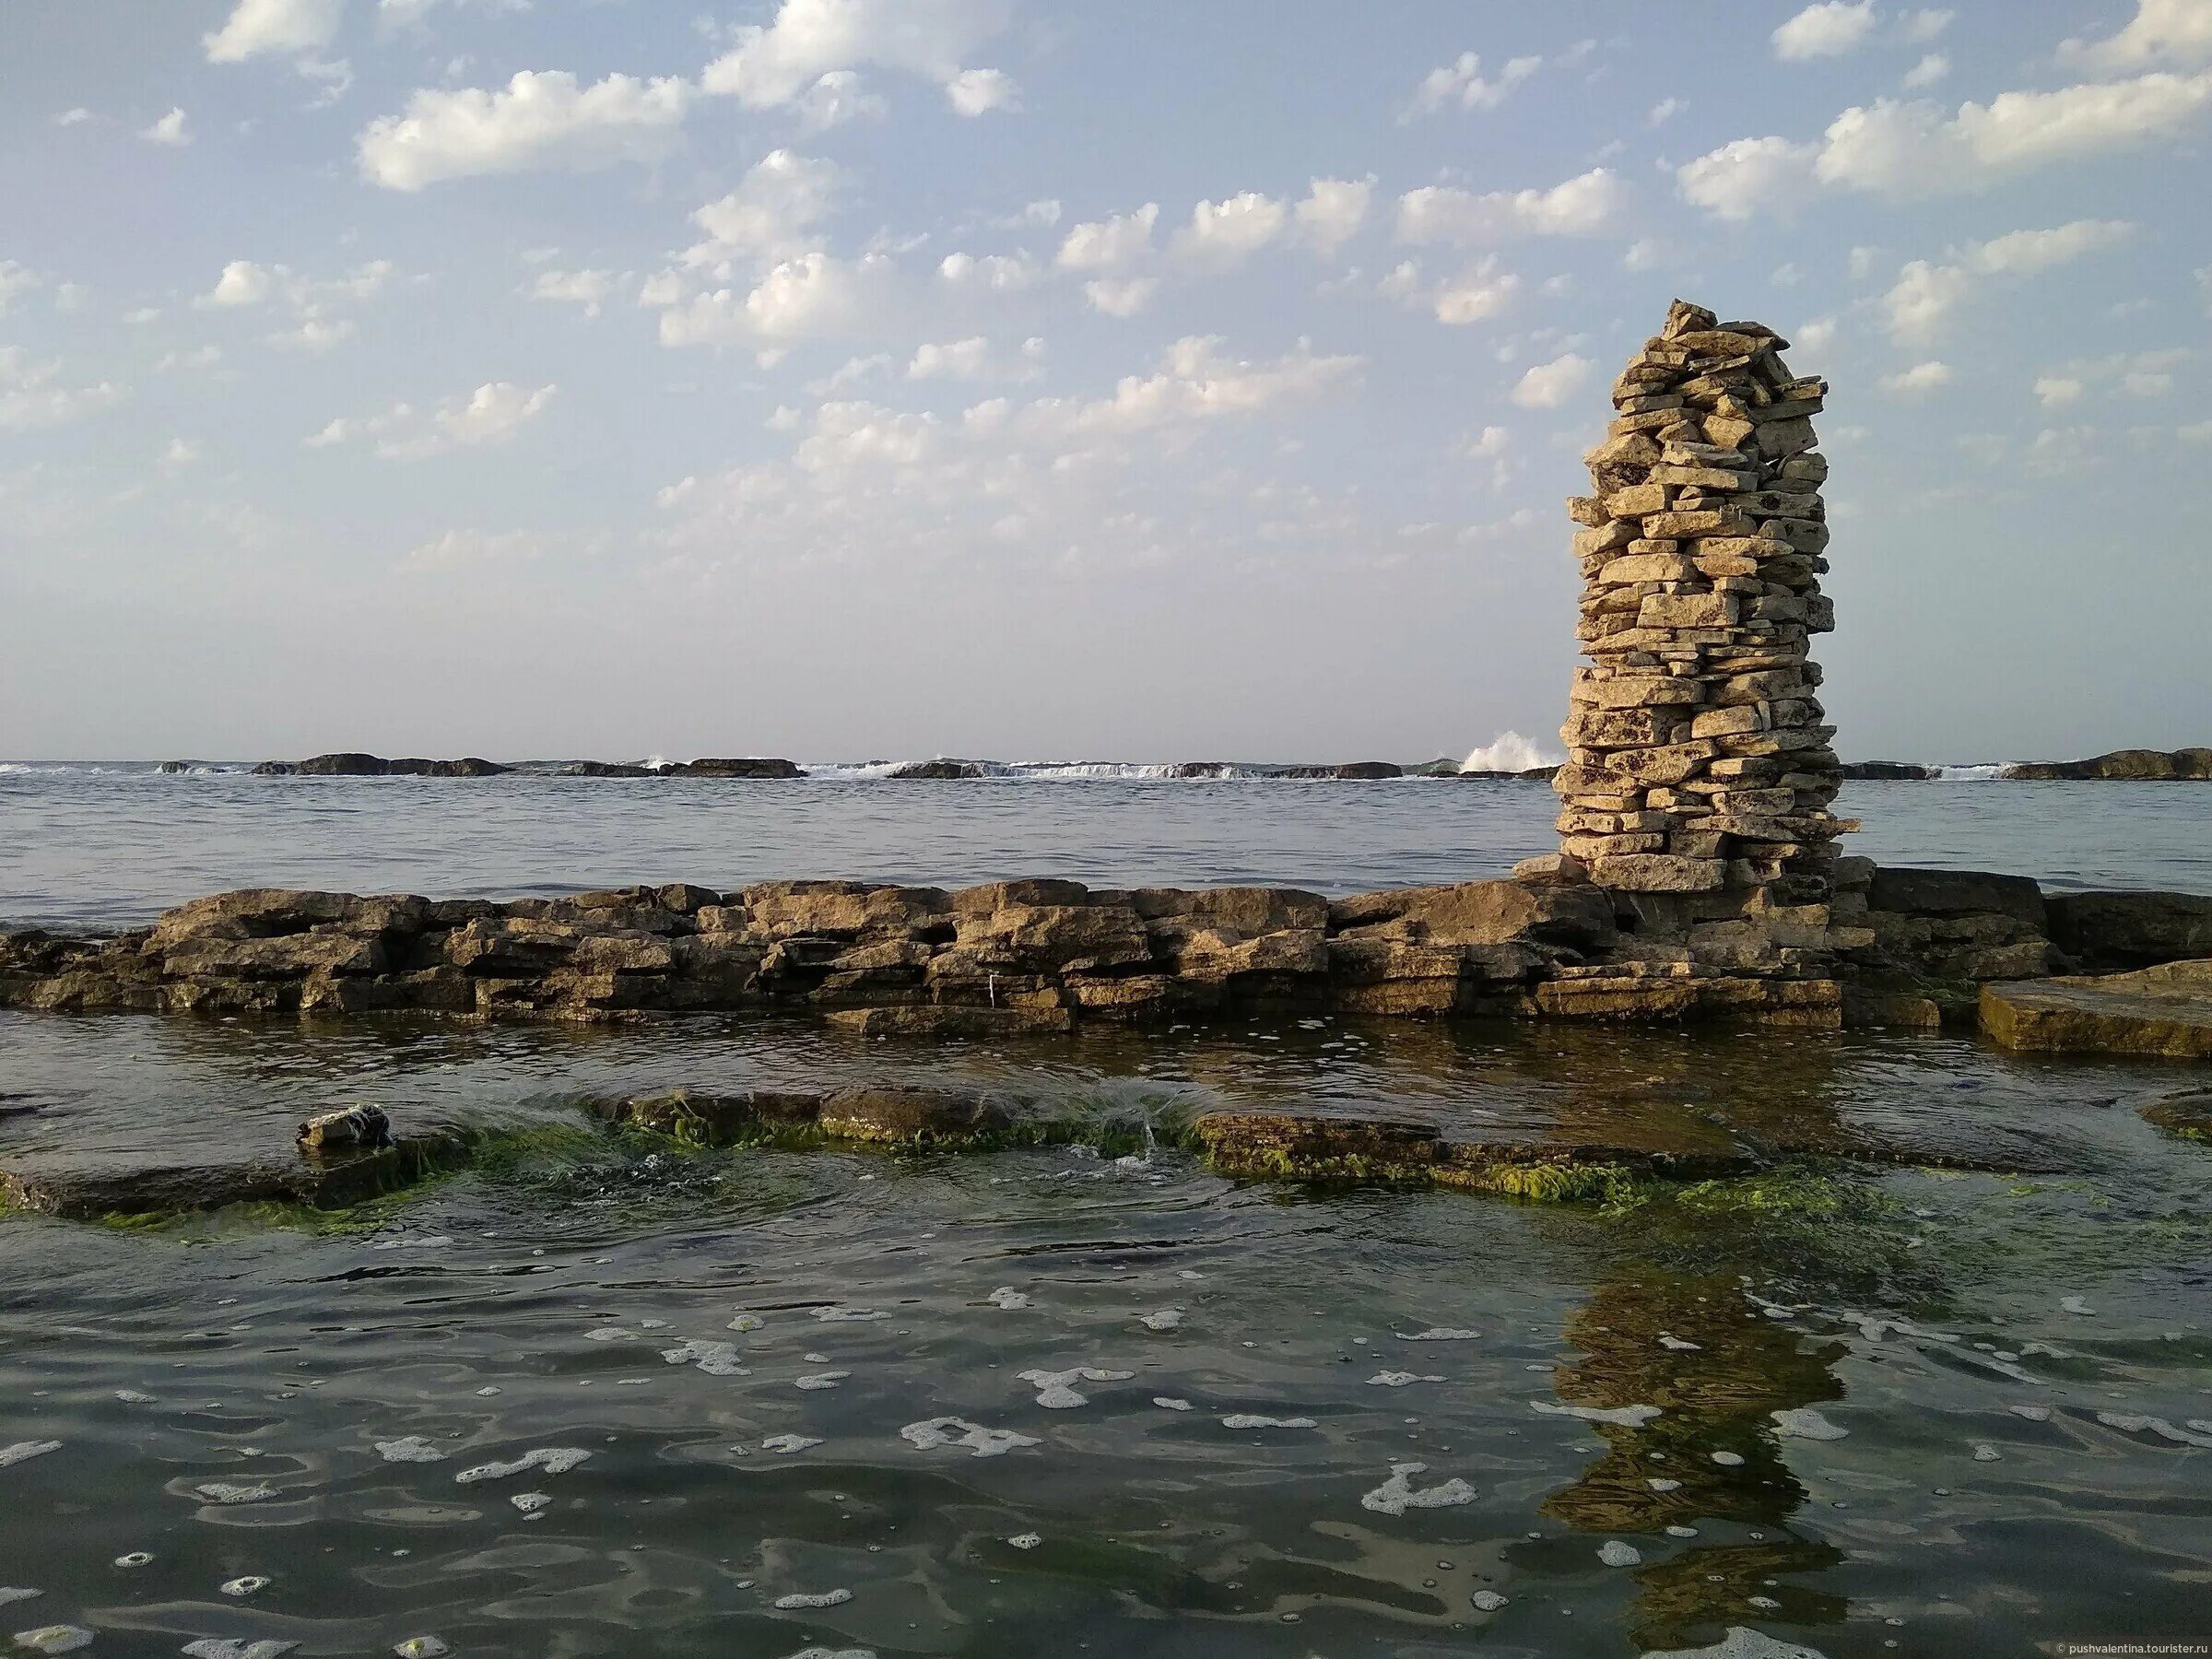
(2149,766)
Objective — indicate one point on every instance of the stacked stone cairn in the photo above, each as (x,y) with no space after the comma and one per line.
(1697,757)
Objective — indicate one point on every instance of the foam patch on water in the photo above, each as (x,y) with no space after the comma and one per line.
(1169,1403)
(1055,1390)
(1742,1643)
(133,1396)
(137,1558)
(1438,1334)
(530,1504)
(1804,1423)
(15,1593)
(231,1491)
(410,1448)
(784,1445)
(816,1380)
(421,1647)
(1245,1420)
(1025,1540)
(1006,1299)
(54,1639)
(2129,1423)
(958,1431)
(847,1315)
(1620,1416)
(22,1450)
(747,1322)
(1487,1601)
(553,1460)
(1614,1553)
(1398,1494)
(1398,1379)
(799,1600)
(227,1647)
(715,1359)
(240,1588)
(1167,1319)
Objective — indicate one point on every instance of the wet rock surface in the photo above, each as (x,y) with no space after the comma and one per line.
(2164,1010)
(2155,766)
(1047,956)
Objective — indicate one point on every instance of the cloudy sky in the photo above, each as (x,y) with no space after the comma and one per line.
(1043,379)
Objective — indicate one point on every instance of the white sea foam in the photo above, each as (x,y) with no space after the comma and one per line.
(1509,751)
(1397,1494)
(553,1460)
(958,1432)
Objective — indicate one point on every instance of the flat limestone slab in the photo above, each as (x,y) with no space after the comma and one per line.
(2163,1010)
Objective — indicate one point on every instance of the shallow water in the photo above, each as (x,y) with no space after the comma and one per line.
(83,847)
(660,1312)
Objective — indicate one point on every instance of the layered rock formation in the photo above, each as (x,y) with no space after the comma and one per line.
(1697,756)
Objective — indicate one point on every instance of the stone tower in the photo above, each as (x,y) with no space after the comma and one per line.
(1698,759)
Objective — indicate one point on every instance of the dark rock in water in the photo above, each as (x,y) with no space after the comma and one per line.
(1535,774)
(87,1188)
(2188,1114)
(1206,768)
(912,1115)
(706,1120)
(1357,771)
(1889,771)
(1957,892)
(172,767)
(349,765)
(1443,767)
(603,768)
(349,1129)
(470,766)
(2107,932)
(937,768)
(2132,764)
(1540,773)
(745,766)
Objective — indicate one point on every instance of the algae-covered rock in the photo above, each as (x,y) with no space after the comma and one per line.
(2165,1010)
(913,1115)
(89,1189)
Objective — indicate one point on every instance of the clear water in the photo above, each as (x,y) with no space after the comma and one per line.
(344,1373)
(112,847)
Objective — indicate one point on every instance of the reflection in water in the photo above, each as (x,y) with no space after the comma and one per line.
(535,1305)
(1717,1369)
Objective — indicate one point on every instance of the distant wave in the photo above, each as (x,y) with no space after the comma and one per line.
(1970,774)
(1509,751)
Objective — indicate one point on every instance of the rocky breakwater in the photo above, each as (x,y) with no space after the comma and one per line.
(1698,754)
(1018,955)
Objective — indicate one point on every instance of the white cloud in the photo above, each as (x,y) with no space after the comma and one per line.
(32,395)
(404,13)
(1548,385)
(1462,83)
(1665,111)
(979,91)
(2057,391)
(1815,335)
(588,289)
(16,280)
(1917,29)
(493,413)
(1750,176)
(1909,150)
(1587,205)
(76,116)
(811,297)
(835,99)
(244,283)
(1109,243)
(774,64)
(1829,30)
(1925,294)
(1906,150)
(1224,234)
(770,216)
(288,27)
(1332,212)
(199,356)
(173,129)
(972,360)
(2173,33)
(178,454)
(1917,380)
(1479,292)
(1120,296)
(1928,72)
(989,273)
(539,120)
(314,334)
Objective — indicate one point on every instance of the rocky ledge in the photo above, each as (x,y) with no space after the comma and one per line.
(1878,946)
(2154,766)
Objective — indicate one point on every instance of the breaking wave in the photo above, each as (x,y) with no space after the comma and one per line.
(1509,751)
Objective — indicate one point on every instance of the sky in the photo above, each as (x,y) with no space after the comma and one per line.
(1041,379)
